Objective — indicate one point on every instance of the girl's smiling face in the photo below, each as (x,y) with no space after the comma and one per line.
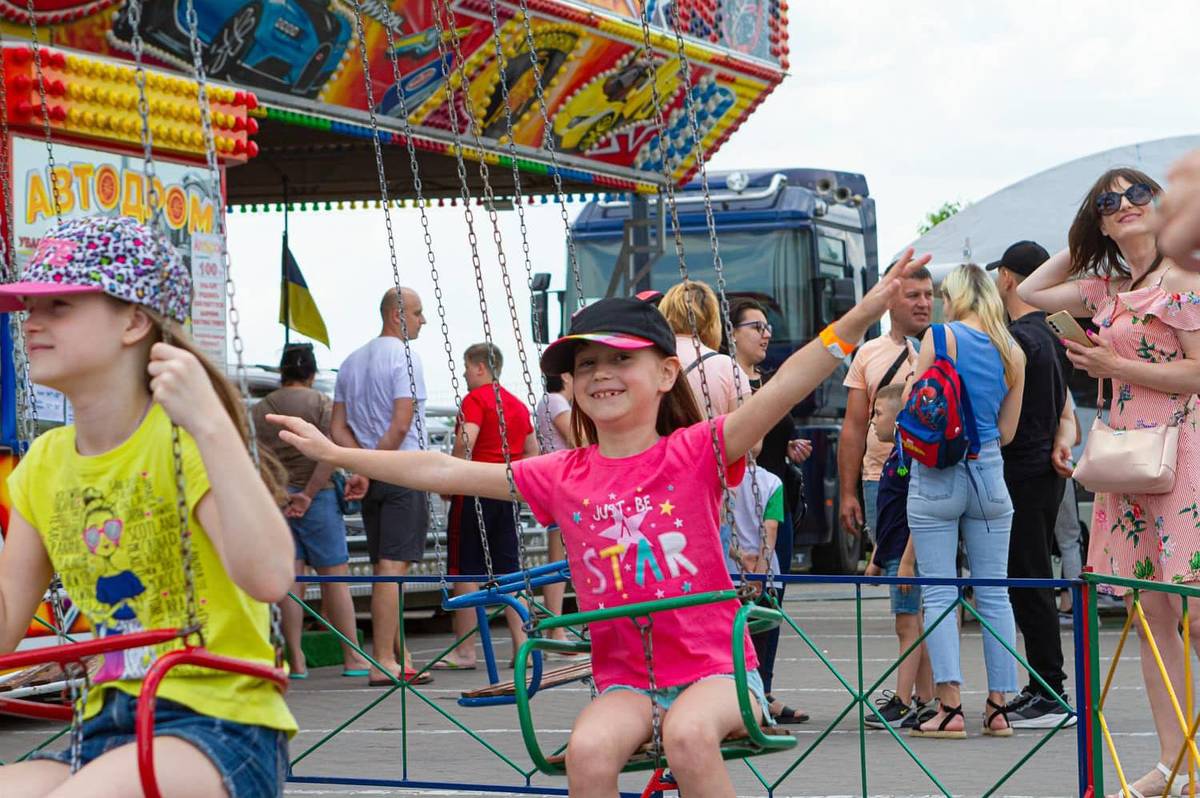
(621,387)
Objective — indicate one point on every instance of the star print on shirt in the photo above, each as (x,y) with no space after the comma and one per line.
(686,587)
(612,497)
(666,508)
(587,502)
(679,523)
(577,516)
(659,593)
(626,529)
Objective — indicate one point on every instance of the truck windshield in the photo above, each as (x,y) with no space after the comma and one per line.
(773,267)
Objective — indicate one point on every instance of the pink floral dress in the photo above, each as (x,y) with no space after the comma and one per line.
(1154,537)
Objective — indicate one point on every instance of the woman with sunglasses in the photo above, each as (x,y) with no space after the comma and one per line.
(1148,312)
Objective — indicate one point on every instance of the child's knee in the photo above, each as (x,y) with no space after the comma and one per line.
(690,744)
(593,756)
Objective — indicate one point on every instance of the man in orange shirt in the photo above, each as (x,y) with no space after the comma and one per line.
(878,362)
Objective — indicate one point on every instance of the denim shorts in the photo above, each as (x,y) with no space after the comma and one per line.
(903,602)
(666,695)
(320,535)
(252,760)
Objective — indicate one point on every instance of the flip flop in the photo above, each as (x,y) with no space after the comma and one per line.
(410,677)
(356,673)
(296,677)
(447,665)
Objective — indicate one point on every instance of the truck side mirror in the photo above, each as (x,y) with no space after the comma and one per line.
(539,302)
(833,296)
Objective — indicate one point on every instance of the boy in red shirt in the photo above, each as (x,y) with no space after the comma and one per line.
(478,438)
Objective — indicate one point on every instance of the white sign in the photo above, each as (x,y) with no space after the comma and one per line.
(208,296)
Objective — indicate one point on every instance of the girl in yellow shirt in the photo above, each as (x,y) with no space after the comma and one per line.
(96,501)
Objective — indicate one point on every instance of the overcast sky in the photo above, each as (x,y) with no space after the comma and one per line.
(931,101)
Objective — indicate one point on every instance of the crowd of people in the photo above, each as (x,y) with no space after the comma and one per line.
(662,413)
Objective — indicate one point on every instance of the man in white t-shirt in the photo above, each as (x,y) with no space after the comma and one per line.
(379,403)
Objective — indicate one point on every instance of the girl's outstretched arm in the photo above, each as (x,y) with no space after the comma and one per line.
(801,373)
(246,526)
(428,471)
(25,573)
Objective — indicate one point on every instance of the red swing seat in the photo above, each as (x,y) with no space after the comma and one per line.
(144,722)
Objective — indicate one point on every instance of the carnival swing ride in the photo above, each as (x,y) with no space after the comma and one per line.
(336,101)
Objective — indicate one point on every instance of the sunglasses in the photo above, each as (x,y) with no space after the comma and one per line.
(1138,194)
(761,327)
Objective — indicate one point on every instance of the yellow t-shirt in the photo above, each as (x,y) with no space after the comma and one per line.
(110,525)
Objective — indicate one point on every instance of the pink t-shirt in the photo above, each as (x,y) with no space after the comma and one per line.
(642,528)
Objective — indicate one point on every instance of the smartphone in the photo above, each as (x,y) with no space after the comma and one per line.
(1065,326)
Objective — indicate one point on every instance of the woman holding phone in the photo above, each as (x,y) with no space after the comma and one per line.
(1148,313)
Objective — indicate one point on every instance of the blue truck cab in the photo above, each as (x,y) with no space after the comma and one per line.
(800,241)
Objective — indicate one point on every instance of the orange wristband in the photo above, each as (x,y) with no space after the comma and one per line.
(834,343)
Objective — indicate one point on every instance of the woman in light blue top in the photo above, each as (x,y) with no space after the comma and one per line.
(970,496)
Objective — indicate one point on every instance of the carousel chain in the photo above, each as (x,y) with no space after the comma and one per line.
(689,102)
(548,145)
(7,254)
(645,628)
(79,685)
(40,76)
(385,201)
(519,204)
(490,204)
(669,187)
(181,509)
(439,297)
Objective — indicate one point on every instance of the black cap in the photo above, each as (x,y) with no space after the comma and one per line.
(1022,258)
(617,322)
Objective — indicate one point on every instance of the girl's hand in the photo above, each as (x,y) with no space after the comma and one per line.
(1099,361)
(179,383)
(799,450)
(304,436)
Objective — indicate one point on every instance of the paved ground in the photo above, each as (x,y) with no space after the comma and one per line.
(371,747)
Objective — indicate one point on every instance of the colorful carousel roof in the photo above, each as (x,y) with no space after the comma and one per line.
(303,60)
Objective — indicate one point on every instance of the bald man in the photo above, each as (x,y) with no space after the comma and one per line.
(375,406)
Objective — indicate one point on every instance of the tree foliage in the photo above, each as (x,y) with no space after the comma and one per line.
(934,218)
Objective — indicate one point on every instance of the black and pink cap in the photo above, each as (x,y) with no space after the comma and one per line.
(618,322)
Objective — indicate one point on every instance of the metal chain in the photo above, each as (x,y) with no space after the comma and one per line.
(210,152)
(422,203)
(8,259)
(744,588)
(518,202)
(45,107)
(548,146)
(385,201)
(644,629)
(689,103)
(442,7)
(181,508)
(79,683)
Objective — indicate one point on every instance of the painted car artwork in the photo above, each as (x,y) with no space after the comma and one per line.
(293,46)
(575,73)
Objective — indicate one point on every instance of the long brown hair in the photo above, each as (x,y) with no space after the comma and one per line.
(272,472)
(676,409)
(706,311)
(1092,252)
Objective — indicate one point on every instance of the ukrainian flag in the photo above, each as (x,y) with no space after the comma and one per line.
(297,309)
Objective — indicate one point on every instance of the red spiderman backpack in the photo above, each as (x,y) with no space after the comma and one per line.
(937,427)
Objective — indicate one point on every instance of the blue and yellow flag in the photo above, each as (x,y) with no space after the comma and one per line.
(297,309)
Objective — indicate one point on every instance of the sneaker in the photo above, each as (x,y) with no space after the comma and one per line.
(1029,711)
(920,713)
(892,709)
(1066,619)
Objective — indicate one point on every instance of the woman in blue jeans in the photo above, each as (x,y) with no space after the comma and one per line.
(970,496)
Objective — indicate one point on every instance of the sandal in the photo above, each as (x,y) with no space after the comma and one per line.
(941,733)
(1177,789)
(1006,731)
(786,714)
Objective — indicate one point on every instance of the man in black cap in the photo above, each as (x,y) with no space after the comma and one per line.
(1036,489)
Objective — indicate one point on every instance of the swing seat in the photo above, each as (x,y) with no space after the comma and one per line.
(553,678)
(751,740)
(67,654)
(144,721)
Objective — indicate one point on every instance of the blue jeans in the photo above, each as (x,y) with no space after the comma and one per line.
(870,506)
(941,502)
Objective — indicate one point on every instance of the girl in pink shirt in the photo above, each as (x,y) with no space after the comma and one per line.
(639,507)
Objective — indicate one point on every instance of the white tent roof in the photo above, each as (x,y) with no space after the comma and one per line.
(1040,207)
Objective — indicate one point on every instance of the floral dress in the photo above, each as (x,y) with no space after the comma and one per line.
(1148,536)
